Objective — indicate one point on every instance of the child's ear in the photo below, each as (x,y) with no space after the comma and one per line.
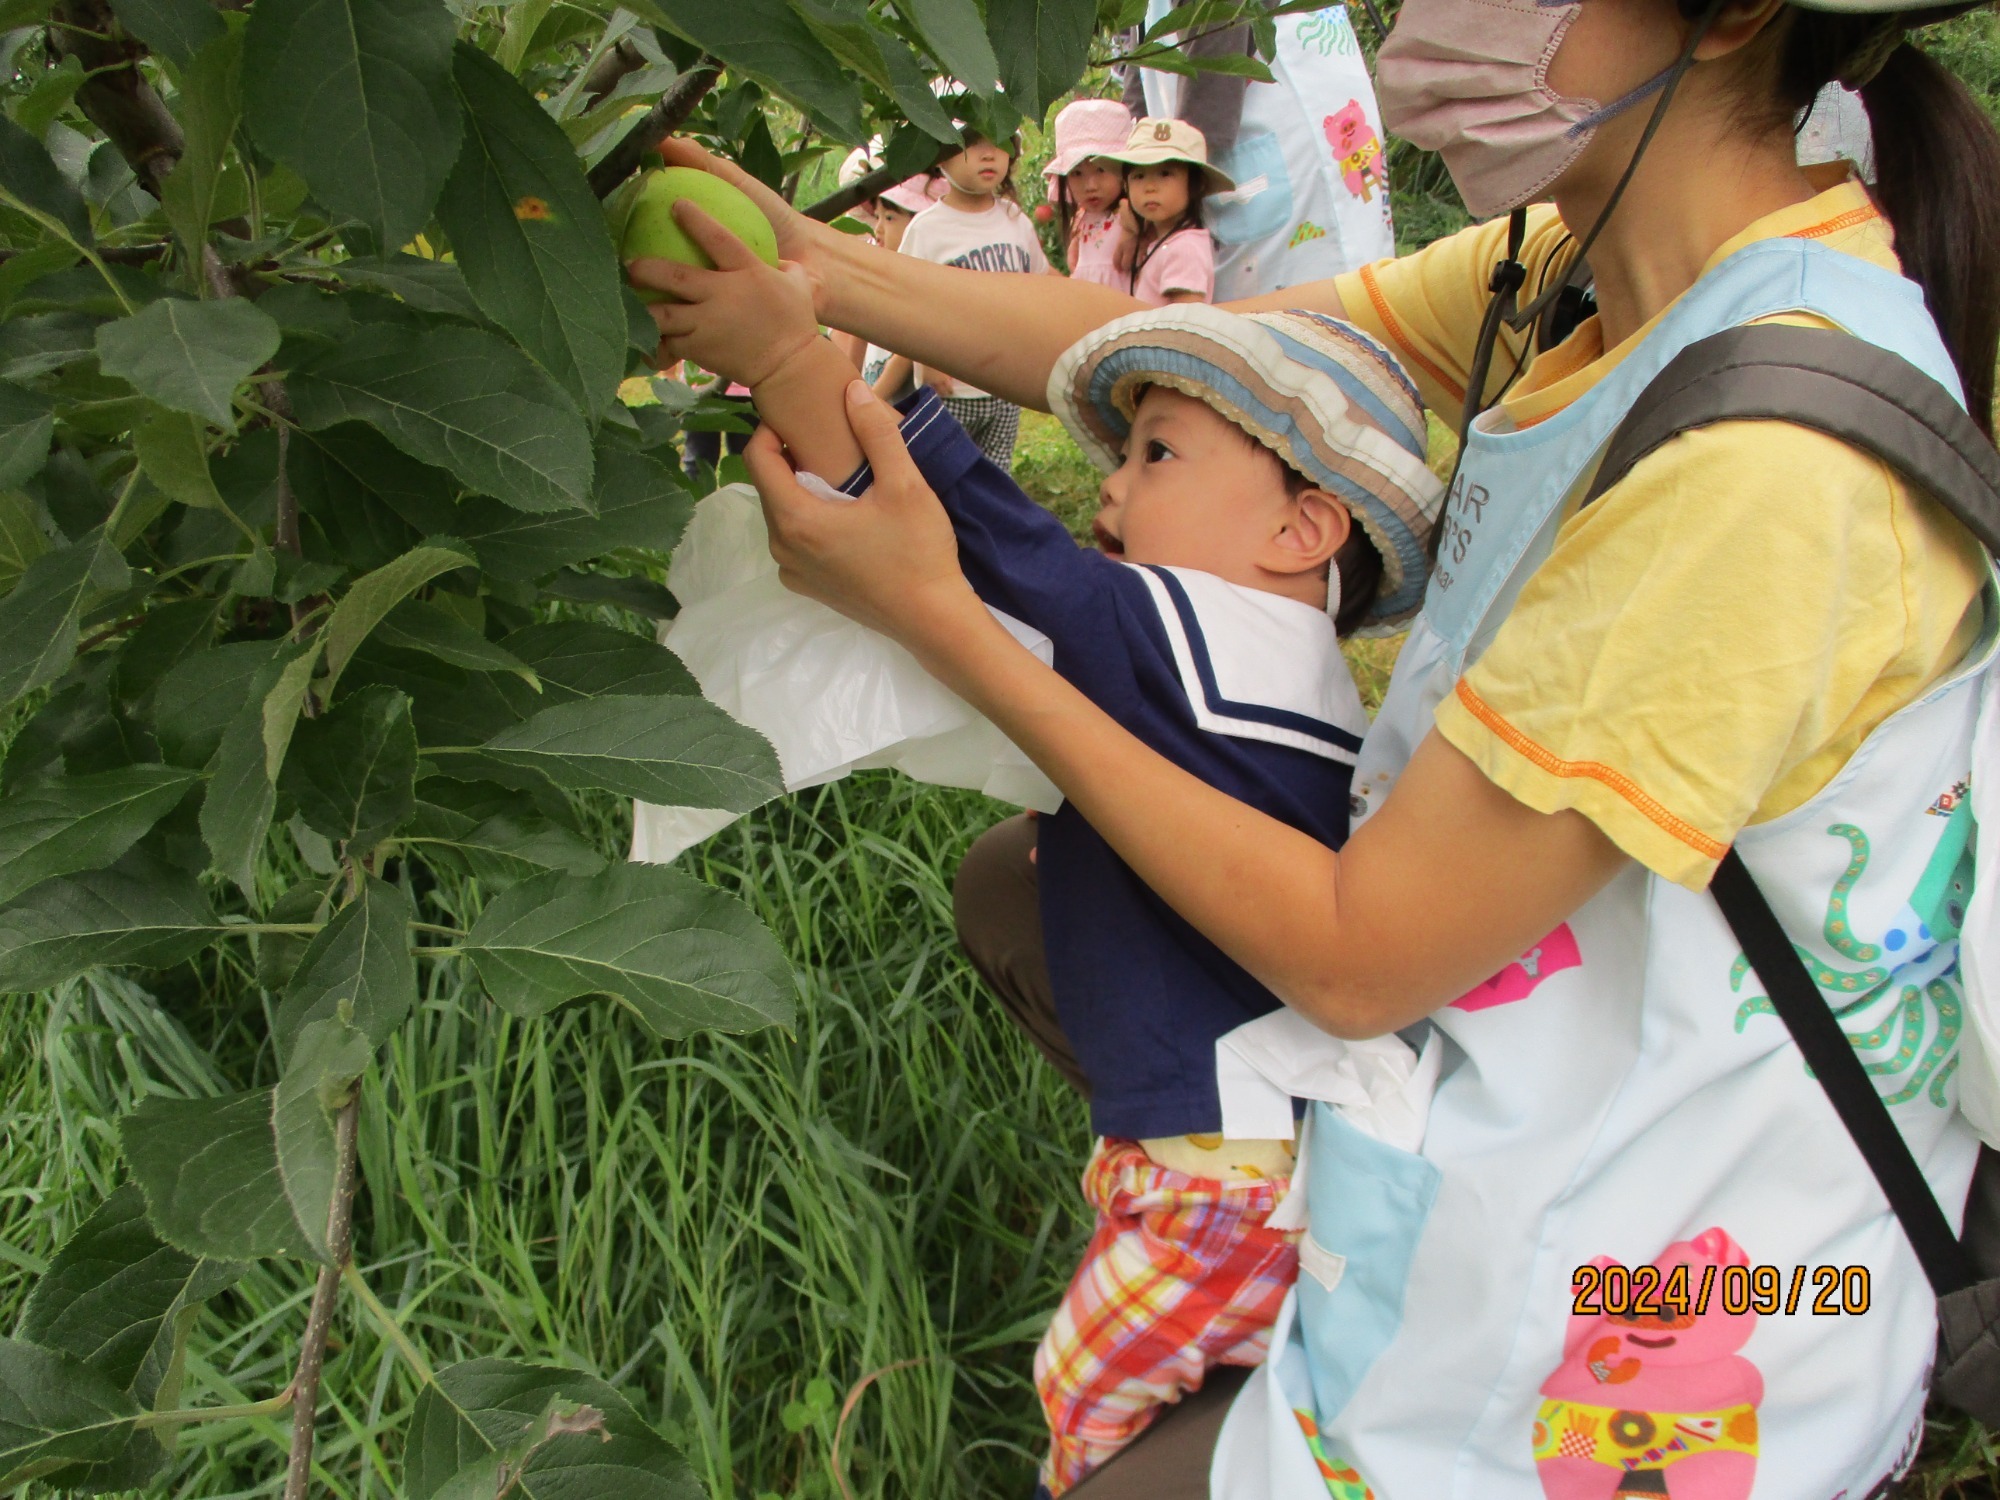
(1314,527)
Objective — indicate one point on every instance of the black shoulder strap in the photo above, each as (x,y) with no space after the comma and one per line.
(1884,405)
(1831,381)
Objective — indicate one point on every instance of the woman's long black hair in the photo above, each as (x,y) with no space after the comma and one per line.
(1937,171)
(1190,219)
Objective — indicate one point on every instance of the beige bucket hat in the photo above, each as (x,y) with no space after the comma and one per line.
(1154,141)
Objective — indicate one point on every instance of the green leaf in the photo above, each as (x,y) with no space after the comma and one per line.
(55,1411)
(38,621)
(530,237)
(1043,47)
(71,823)
(176,29)
(327,1062)
(27,426)
(415,625)
(433,286)
(209,1170)
(199,695)
(956,37)
(210,107)
(172,450)
(768,41)
(506,848)
(189,356)
(21,538)
(581,659)
(458,398)
(684,752)
(51,93)
(123,1302)
(358,967)
(139,911)
(640,595)
(682,956)
(30,178)
(641,502)
(24,269)
(355,96)
(243,779)
(353,770)
(561,1434)
(374,594)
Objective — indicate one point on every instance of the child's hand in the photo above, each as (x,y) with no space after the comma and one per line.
(744,319)
(940,382)
(1128,241)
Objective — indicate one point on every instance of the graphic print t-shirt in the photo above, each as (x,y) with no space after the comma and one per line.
(1000,239)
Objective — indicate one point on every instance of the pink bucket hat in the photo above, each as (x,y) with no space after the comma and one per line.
(1086,128)
(915,194)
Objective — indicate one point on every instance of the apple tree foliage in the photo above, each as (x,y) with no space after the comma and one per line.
(328,560)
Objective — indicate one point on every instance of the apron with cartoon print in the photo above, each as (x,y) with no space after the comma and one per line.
(1638,1254)
(1312,180)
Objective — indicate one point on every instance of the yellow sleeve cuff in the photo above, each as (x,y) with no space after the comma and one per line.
(1651,833)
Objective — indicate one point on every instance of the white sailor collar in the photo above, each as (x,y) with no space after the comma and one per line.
(1257,666)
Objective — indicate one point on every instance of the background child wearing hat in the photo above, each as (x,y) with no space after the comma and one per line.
(1087,184)
(1237,534)
(890,375)
(1166,176)
(978,225)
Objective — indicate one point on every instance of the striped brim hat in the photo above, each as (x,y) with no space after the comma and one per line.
(1326,398)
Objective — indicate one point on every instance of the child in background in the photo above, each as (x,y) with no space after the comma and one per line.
(1166,176)
(1238,534)
(889,375)
(1086,187)
(977,225)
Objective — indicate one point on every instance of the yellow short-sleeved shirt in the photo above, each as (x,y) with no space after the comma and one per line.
(1709,642)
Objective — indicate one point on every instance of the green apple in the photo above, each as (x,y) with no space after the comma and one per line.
(651,233)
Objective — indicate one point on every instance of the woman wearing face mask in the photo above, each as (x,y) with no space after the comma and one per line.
(1759,639)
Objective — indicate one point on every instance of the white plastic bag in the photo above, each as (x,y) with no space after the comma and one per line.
(830,695)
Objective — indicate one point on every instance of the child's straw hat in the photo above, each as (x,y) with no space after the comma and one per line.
(1087,128)
(1326,398)
(1155,141)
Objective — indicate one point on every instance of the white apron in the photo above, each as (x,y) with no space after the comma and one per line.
(1312,182)
(1623,1097)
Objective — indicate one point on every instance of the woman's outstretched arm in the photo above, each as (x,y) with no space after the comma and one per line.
(1448,883)
(1002,333)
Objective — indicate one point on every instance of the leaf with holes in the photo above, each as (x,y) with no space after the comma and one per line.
(189,356)
(355,96)
(460,399)
(682,956)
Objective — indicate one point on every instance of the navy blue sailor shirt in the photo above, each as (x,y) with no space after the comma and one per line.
(1243,688)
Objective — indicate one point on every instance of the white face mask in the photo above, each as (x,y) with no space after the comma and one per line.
(1469,80)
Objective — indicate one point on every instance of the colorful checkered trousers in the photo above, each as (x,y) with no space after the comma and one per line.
(1182,1275)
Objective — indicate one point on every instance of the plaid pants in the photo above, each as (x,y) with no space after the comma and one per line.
(1181,1275)
(991,423)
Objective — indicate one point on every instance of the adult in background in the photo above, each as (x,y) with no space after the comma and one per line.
(1306,150)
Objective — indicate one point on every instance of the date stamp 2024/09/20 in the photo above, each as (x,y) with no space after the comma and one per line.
(1684,1292)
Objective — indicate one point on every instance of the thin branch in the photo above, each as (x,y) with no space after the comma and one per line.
(340,1249)
(659,122)
(865,187)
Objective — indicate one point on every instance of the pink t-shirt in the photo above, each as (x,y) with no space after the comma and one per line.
(1183,262)
(1093,245)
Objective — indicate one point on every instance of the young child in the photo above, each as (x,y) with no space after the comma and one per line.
(1087,187)
(889,375)
(978,225)
(1236,534)
(1166,176)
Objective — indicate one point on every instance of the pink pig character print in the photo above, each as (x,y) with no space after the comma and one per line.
(1655,1403)
(1358,150)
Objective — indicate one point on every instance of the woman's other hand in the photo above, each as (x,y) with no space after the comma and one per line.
(743,319)
(888,560)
